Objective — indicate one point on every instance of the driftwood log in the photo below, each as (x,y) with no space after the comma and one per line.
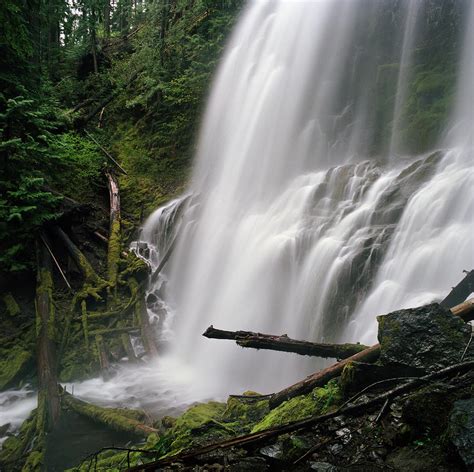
(285,344)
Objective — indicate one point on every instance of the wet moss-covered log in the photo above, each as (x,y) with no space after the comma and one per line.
(88,272)
(321,378)
(285,344)
(45,335)
(114,249)
(129,421)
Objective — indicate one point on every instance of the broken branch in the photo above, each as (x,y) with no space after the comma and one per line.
(285,344)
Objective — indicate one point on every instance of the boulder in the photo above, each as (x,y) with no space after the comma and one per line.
(427,338)
(461,430)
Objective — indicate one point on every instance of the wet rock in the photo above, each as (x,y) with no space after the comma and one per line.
(273,451)
(249,464)
(4,429)
(461,430)
(323,467)
(151,298)
(427,338)
(427,411)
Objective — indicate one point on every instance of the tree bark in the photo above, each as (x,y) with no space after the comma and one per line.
(48,394)
(321,378)
(285,344)
(464,310)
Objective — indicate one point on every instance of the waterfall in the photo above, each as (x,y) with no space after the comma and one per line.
(300,224)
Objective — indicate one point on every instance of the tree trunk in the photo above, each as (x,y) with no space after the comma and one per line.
(285,344)
(48,395)
(321,378)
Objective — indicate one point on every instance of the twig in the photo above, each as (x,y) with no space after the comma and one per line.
(467,347)
(382,411)
(55,261)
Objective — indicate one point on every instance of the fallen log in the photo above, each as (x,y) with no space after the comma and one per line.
(105,240)
(464,310)
(163,261)
(78,257)
(115,418)
(285,344)
(255,438)
(460,292)
(322,377)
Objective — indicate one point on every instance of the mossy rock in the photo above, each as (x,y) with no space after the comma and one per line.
(319,401)
(200,424)
(14,363)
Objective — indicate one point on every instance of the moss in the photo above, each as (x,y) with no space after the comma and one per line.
(34,462)
(85,326)
(13,365)
(11,305)
(120,419)
(200,424)
(14,447)
(319,401)
(245,412)
(114,249)
(45,288)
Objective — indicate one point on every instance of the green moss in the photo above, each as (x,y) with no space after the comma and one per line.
(319,401)
(34,462)
(14,447)
(114,249)
(11,305)
(200,424)
(245,412)
(13,364)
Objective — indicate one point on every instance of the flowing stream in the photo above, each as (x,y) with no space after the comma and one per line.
(292,224)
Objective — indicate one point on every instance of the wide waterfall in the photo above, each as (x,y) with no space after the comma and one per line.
(302,219)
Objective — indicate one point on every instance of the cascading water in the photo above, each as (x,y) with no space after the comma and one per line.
(295,231)
(302,216)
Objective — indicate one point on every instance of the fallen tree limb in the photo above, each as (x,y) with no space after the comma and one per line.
(464,310)
(254,438)
(118,419)
(163,261)
(285,344)
(78,257)
(321,378)
(106,153)
(106,331)
(58,266)
(460,292)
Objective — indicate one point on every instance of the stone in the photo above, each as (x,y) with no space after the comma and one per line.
(427,338)
(461,430)
(323,467)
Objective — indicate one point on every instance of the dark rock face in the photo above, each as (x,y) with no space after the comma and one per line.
(461,430)
(427,338)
